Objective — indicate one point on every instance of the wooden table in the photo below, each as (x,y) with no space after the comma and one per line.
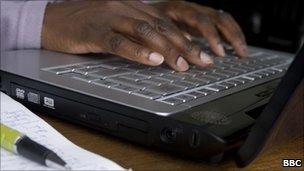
(130,155)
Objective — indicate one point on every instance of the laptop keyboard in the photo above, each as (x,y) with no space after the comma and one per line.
(171,87)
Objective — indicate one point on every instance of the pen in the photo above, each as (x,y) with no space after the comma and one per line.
(16,142)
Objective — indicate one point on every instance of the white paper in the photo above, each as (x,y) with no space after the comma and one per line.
(16,116)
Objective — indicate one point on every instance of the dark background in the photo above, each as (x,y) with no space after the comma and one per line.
(275,24)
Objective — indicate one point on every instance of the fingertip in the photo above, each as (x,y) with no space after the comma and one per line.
(243,51)
(205,58)
(220,50)
(182,64)
(156,58)
(188,36)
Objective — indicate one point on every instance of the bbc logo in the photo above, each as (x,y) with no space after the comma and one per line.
(292,163)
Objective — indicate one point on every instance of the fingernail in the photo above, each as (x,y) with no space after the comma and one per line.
(188,36)
(244,50)
(156,58)
(182,64)
(221,50)
(205,58)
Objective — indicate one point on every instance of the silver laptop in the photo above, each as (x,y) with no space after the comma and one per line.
(202,112)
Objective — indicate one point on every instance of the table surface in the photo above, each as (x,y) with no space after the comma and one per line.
(137,157)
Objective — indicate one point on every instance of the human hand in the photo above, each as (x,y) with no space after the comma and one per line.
(130,29)
(209,23)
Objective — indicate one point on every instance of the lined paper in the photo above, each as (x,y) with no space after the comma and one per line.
(16,116)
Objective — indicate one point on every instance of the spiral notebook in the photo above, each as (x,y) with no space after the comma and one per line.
(16,116)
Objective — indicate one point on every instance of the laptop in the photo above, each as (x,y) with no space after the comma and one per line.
(204,112)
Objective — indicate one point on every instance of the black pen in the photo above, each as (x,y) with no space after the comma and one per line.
(19,143)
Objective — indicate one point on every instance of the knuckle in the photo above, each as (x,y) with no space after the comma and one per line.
(224,16)
(189,47)
(115,43)
(200,18)
(168,49)
(143,28)
(139,52)
(162,26)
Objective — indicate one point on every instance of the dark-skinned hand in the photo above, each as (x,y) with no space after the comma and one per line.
(130,29)
(213,25)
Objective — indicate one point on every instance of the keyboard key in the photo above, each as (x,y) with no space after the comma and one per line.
(152,83)
(135,77)
(194,71)
(171,77)
(245,69)
(86,71)
(173,101)
(184,84)
(85,78)
(216,88)
(216,76)
(197,94)
(229,72)
(74,67)
(185,98)
(257,75)
(209,78)
(127,82)
(138,67)
(235,82)
(253,77)
(182,75)
(159,80)
(124,88)
(61,70)
(226,84)
(161,70)
(272,62)
(94,65)
(243,80)
(148,73)
(147,94)
(106,73)
(264,73)
(255,67)
(272,71)
(113,64)
(70,74)
(206,92)
(222,73)
(281,68)
(84,65)
(230,63)
(121,80)
(196,81)
(222,66)
(165,89)
(104,83)
(240,71)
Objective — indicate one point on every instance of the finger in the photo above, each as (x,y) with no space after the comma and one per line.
(188,36)
(232,33)
(191,52)
(207,29)
(120,45)
(168,30)
(139,5)
(144,32)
